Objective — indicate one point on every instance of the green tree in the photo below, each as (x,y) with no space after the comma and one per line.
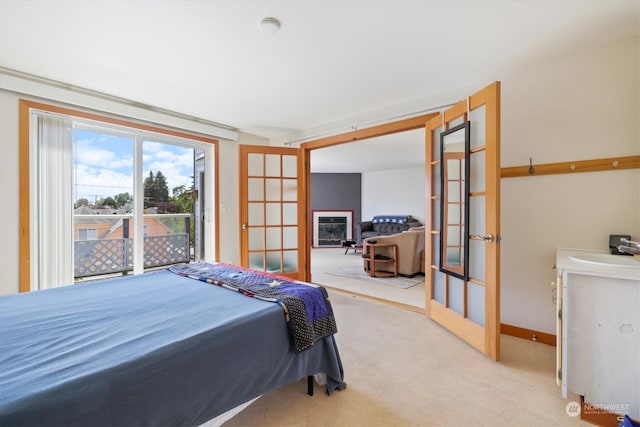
(122,199)
(161,188)
(107,201)
(148,190)
(155,189)
(82,202)
(182,199)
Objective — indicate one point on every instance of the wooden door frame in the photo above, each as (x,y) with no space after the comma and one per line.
(243,151)
(418,122)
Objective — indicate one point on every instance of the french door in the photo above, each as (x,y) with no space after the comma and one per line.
(469,308)
(272,217)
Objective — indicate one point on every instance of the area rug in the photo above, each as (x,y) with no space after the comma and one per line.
(356,271)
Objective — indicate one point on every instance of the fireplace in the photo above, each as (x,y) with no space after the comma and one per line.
(330,228)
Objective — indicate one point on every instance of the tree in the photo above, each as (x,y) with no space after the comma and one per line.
(122,199)
(182,199)
(108,201)
(149,194)
(155,189)
(162,190)
(82,202)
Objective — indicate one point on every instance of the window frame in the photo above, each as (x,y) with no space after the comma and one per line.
(75,113)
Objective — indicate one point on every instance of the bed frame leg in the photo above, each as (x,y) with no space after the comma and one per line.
(310,385)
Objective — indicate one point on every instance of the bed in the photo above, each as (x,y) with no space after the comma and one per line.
(154,349)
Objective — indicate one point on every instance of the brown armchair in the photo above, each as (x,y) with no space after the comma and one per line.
(410,249)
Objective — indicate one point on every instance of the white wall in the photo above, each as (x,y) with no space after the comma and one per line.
(394,192)
(577,107)
(9,208)
(228,192)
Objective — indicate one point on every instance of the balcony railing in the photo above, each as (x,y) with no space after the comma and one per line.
(115,254)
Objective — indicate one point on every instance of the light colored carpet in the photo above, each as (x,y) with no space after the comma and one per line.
(403,369)
(356,271)
(330,259)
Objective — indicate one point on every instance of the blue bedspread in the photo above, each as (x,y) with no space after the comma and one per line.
(154,349)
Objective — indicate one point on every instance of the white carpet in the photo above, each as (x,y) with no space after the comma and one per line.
(356,271)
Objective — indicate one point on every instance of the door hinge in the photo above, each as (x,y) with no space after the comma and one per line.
(560,314)
(560,374)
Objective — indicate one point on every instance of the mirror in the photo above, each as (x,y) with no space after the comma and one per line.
(454,201)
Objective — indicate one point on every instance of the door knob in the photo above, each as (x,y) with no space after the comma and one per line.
(488,238)
(244,226)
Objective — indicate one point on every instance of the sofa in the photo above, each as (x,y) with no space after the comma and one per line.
(384,225)
(410,250)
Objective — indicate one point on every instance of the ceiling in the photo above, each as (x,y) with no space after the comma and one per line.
(396,151)
(333,66)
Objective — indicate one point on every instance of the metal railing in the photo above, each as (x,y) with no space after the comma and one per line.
(115,254)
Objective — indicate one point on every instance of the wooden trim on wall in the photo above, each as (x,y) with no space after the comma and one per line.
(528,334)
(595,165)
(379,130)
(216,200)
(106,118)
(24,244)
(598,417)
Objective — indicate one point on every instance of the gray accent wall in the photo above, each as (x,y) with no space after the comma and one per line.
(337,191)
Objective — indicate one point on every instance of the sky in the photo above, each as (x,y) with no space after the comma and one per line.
(103,164)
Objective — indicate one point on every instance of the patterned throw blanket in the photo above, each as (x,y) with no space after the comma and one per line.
(306,307)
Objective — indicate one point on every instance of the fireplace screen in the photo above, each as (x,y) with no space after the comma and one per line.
(332,228)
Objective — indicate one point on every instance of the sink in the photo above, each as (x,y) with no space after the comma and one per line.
(607,260)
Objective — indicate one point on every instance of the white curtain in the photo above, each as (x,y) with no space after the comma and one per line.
(54,211)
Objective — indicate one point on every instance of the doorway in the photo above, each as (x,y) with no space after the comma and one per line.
(382,175)
(360,136)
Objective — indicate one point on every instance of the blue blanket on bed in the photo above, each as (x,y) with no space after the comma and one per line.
(306,307)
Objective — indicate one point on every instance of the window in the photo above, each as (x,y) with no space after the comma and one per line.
(107,196)
(87,234)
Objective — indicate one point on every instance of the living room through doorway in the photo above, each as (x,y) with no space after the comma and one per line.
(392,172)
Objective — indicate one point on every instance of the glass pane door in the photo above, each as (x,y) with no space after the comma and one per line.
(270,218)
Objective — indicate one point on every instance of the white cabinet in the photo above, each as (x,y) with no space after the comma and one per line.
(600,333)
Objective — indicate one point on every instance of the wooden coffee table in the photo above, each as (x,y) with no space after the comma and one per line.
(351,244)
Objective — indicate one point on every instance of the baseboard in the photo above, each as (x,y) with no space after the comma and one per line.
(528,334)
(598,416)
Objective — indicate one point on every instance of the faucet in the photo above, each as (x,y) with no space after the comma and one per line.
(632,247)
(630,242)
(628,250)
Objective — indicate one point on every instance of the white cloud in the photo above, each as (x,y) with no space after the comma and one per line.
(104,165)
(94,183)
(88,153)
